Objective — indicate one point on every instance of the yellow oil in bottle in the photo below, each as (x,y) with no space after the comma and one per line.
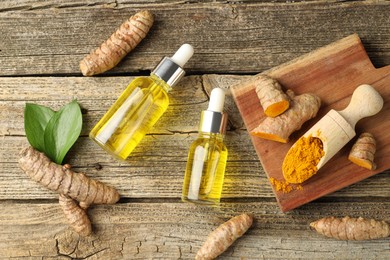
(203,180)
(139,107)
(132,116)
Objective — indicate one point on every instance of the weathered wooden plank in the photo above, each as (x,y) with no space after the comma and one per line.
(26,5)
(156,169)
(172,230)
(53,38)
(95,95)
(37,4)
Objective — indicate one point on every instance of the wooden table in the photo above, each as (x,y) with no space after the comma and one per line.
(41,45)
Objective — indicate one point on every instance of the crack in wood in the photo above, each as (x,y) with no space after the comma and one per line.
(70,5)
(57,247)
(93,254)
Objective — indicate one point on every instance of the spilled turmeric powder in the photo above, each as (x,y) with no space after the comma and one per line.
(284,186)
(301,160)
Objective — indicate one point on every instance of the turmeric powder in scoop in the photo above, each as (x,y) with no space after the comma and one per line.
(301,160)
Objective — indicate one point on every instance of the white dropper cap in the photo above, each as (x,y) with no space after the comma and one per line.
(214,120)
(171,70)
(183,54)
(217,100)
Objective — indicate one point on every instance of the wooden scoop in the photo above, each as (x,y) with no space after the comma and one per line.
(337,128)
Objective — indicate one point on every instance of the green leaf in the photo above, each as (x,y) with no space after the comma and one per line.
(36,118)
(62,131)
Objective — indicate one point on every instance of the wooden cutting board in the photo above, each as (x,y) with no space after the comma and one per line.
(331,72)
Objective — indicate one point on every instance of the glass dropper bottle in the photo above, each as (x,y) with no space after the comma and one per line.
(205,171)
(140,106)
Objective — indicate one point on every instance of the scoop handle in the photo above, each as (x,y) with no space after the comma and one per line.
(365,102)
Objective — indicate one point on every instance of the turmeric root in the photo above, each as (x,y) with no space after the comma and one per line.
(363,151)
(272,98)
(303,108)
(124,40)
(351,228)
(76,216)
(223,236)
(64,181)
(70,185)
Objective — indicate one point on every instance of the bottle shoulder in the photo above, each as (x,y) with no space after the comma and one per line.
(142,82)
(149,85)
(207,140)
(146,81)
(211,136)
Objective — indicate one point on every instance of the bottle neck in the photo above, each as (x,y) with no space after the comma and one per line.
(213,122)
(168,71)
(208,135)
(161,82)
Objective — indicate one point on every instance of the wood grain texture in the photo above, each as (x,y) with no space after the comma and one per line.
(150,221)
(159,158)
(146,174)
(51,37)
(173,230)
(338,69)
(95,96)
(41,44)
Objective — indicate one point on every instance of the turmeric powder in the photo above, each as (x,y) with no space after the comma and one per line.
(281,185)
(284,186)
(301,160)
